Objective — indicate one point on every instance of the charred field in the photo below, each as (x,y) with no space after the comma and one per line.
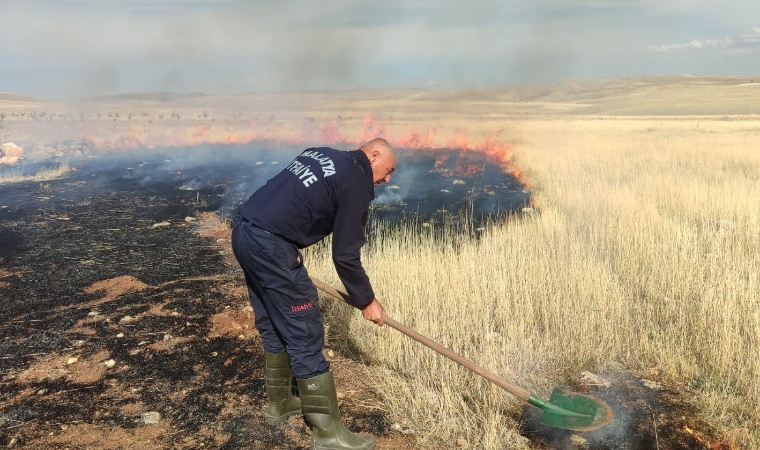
(126,323)
(117,304)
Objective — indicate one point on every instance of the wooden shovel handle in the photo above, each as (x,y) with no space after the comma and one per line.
(517,391)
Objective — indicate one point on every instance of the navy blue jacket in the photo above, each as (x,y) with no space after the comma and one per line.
(322,191)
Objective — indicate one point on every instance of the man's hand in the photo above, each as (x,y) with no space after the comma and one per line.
(374,312)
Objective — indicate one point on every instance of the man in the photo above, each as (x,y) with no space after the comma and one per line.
(322,191)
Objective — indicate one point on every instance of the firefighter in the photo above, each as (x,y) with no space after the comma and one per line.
(322,191)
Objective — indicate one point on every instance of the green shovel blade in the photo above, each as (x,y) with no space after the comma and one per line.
(573,411)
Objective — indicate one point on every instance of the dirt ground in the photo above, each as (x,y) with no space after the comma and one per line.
(120,335)
(120,418)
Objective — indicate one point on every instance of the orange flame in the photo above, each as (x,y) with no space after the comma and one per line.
(724,443)
(414,140)
(329,133)
(371,129)
(471,160)
(440,161)
(200,135)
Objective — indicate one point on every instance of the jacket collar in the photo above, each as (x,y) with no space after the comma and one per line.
(363,162)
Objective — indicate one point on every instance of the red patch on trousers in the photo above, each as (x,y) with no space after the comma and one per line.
(303,307)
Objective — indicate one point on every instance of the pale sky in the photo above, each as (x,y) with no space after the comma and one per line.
(81,48)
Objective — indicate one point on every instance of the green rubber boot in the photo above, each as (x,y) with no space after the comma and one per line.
(320,407)
(278,378)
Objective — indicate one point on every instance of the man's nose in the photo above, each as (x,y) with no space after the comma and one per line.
(387,178)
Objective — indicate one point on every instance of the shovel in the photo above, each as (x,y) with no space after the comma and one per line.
(566,410)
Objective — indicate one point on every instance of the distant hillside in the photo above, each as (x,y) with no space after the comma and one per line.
(8,97)
(681,95)
(149,96)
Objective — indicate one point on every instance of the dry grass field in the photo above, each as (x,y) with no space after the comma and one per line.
(643,258)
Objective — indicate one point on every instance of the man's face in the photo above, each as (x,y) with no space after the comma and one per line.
(383,164)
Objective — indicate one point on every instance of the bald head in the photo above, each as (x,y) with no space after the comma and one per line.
(382,158)
(378,145)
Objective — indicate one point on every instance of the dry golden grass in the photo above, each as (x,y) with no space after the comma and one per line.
(15,174)
(645,255)
(9,175)
(52,172)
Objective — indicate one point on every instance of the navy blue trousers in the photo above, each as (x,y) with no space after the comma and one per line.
(283,297)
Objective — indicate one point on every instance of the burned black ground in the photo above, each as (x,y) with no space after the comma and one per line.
(60,237)
(97,224)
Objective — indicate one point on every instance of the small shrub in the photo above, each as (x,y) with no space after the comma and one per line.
(53,172)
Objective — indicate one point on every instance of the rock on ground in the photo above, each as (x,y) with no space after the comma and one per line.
(10,153)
